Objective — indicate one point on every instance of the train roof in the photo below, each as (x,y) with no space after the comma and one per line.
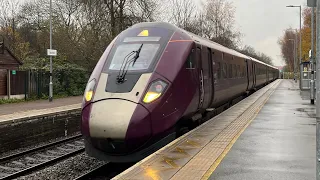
(199,39)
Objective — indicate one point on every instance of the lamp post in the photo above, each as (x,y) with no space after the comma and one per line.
(300,81)
(318,89)
(312,59)
(294,55)
(50,84)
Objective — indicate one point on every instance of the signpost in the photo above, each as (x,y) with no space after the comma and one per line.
(51,53)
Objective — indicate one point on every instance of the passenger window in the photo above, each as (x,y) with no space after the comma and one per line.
(239,73)
(219,70)
(235,71)
(230,70)
(224,70)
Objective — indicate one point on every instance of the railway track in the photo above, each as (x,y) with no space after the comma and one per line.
(25,162)
(105,171)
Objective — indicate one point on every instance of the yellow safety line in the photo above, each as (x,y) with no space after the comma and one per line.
(225,152)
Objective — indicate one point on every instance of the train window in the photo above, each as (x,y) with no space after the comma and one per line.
(219,70)
(239,72)
(224,70)
(190,63)
(230,71)
(145,59)
(234,70)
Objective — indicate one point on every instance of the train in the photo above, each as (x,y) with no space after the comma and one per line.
(154,80)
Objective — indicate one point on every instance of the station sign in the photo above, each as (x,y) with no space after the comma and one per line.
(51,52)
(14,72)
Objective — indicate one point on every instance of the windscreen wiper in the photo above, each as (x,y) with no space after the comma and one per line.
(137,55)
(123,72)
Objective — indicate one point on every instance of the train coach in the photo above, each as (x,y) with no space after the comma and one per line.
(153,81)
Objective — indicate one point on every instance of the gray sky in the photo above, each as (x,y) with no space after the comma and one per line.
(262,22)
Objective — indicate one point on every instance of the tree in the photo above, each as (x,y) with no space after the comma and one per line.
(287,45)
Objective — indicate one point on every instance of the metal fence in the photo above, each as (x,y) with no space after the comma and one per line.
(35,83)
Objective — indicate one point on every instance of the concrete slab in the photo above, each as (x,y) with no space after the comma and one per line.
(279,144)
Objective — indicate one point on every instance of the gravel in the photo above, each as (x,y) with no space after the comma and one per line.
(8,153)
(67,169)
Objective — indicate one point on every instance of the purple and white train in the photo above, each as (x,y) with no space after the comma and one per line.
(152,80)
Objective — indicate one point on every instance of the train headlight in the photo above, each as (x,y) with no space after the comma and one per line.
(88,93)
(155,91)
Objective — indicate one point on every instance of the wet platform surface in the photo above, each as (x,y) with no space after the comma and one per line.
(279,144)
(269,135)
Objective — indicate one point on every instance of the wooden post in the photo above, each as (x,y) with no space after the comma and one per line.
(8,84)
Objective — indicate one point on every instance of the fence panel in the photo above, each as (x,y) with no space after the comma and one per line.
(35,83)
(18,80)
(3,82)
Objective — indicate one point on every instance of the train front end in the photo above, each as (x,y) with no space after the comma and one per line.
(121,93)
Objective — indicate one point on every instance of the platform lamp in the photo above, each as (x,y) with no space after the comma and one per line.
(300,81)
(50,83)
(294,56)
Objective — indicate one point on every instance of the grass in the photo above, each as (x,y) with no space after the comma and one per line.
(9,101)
(14,100)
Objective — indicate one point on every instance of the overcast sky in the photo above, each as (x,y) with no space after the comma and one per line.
(262,22)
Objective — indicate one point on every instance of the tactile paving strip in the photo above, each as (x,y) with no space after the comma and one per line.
(192,155)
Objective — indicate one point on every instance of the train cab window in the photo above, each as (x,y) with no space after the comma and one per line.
(230,71)
(146,57)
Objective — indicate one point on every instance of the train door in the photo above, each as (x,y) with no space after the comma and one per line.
(247,74)
(267,76)
(201,76)
(254,77)
(206,62)
(250,74)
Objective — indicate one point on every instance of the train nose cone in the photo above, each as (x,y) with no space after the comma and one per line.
(110,118)
(125,124)
(140,129)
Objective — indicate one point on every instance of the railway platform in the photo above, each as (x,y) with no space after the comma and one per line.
(6,109)
(27,124)
(38,107)
(269,135)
